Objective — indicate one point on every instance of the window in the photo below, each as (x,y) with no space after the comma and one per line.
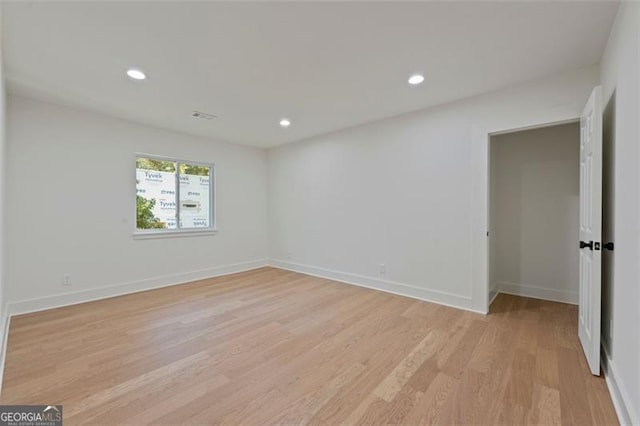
(173,196)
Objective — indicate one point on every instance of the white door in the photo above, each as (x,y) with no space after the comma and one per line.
(590,228)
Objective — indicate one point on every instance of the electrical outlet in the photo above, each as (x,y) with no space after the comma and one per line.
(66,279)
(383,269)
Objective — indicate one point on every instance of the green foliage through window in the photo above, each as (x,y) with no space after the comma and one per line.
(157,165)
(188,169)
(170,166)
(144,214)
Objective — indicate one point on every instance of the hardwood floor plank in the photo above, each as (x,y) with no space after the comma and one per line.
(546,406)
(456,362)
(400,375)
(602,411)
(404,402)
(429,406)
(574,401)
(547,368)
(275,347)
(468,386)
(303,409)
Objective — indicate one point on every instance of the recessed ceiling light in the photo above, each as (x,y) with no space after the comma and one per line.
(416,79)
(285,123)
(136,74)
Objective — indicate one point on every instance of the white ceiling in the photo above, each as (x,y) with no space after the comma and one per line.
(324,65)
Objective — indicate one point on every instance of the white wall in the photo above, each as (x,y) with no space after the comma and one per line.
(3,245)
(535,199)
(408,192)
(71,204)
(620,69)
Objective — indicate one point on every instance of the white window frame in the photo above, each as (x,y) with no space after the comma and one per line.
(178,232)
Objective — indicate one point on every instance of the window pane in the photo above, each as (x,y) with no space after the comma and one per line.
(155,194)
(195,193)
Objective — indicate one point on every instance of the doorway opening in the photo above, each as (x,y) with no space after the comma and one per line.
(534,213)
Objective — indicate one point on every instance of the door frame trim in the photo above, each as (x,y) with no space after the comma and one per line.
(487,152)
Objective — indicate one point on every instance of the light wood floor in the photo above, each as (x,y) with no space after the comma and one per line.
(270,346)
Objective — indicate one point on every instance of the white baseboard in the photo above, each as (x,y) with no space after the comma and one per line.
(538,292)
(493,293)
(72,298)
(434,296)
(619,395)
(6,320)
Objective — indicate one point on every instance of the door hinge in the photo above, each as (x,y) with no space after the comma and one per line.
(608,246)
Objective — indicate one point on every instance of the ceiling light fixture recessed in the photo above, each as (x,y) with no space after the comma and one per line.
(285,123)
(136,74)
(416,79)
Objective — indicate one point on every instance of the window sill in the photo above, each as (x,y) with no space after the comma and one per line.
(173,234)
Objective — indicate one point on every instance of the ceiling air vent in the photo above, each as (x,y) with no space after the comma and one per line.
(203,115)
